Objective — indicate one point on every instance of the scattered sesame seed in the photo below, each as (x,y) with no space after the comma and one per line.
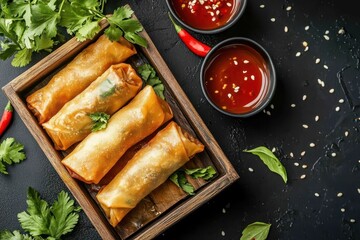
(304,97)
(305,126)
(342,209)
(333,154)
(346,133)
(304,43)
(272,106)
(245,78)
(291,155)
(332,90)
(272,19)
(326,37)
(337,108)
(236,62)
(316,118)
(298,54)
(317,60)
(302,153)
(229,95)
(352,220)
(341,31)
(306,49)
(222,233)
(213,19)
(341,100)
(251,170)
(246,61)
(327,32)
(316,194)
(286,29)
(303,176)
(307,28)
(358,190)
(296,164)
(262,6)
(273,149)
(288,8)
(268,113)
(252,77)
(326,67)
(312,144)
(304,166)
(228,4)
(216,91)
(293,105)
(223,210)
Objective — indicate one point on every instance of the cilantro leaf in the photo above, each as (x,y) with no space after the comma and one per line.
(43,21)
(15,235)
(88,31)
(148,74)
(10,152)
(270,160)
(22,58)
(256,230)
(113,32)
(40,219)
(100,120)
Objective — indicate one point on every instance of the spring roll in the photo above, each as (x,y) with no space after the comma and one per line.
(170,149)
(99,151)
(87,66)
(112,90)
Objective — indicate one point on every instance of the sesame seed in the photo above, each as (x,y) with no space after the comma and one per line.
(244,71)
(236,62)
(317,60)
(272,106)
(291,155)
(340,194)
(358,190)
(298,54)
(272,19)
(307,28)
(341,100)
(316,118)
(228,4)
(293,105)
(213,19)
(326,67)
(333,154)
(224,107)
(327,32)
(216,91)
(337,109)
(326,37)
(252,77)
(304,97)
(222,233)
(306,49)
(245,78)
(304,43)
(286,29)
(342,209)
(246,61)
(250,169)
(262,6)
(303,176)
(288,8)
(305,126)
(352,220)
(273,149)
(296,164)
(302,153)
(229,95)
(268,113)
(341,31)
(316,194)
(223,210)
(212,14)
(346,133)
(332,90)
(312,144)
(304,166)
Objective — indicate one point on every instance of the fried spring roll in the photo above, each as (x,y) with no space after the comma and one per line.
(170,149)
(112,90)
(78,75)
(99,151)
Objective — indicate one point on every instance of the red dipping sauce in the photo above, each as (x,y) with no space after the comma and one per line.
(204,14)
(237,78)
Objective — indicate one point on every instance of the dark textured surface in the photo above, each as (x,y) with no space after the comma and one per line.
(293,209)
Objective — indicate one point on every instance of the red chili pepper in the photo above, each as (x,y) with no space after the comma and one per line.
(6,118)
(192,43)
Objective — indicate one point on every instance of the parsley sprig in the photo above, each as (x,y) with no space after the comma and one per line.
(10,152)
(28,26)
(43,221)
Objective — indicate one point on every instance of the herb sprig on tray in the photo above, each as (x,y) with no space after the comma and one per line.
(30,26)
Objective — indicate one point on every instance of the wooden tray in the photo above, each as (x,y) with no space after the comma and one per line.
(165,205)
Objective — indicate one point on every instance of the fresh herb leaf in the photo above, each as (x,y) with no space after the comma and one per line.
(148,74)
(100,121)
(88,31)
(22,58)
(270,160)
(54,221)
(107,88)
(256,230)
(10,152)
(179,177)
(15,235)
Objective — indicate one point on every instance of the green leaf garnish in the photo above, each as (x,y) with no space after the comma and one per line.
(270,160)
(148,74)
(256,231)
(10,152)
(107,88)
(100,121)
(179,177)
(15,235)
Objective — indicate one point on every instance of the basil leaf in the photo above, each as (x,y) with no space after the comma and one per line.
(270,160)
(256,230)
(107,88)
(204,173)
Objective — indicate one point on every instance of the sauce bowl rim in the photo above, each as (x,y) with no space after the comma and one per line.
(258,48)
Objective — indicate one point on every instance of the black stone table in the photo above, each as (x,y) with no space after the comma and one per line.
(316,101)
